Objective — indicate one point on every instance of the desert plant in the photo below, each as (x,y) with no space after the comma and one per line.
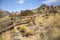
(25,30)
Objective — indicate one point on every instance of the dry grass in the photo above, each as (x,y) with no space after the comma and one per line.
(25,30)
(4,18)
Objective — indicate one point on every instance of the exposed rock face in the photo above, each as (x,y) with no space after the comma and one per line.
(15,15)
(43,25)
(4,13)
(48,9)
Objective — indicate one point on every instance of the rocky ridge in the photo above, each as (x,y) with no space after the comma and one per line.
(44,24)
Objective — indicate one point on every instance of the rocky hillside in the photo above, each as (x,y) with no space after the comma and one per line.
(42,23)
(47,9)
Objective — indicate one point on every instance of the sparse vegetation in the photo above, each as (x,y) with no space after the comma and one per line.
(27,13)
(4,18)
(46,19)
(25,30)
